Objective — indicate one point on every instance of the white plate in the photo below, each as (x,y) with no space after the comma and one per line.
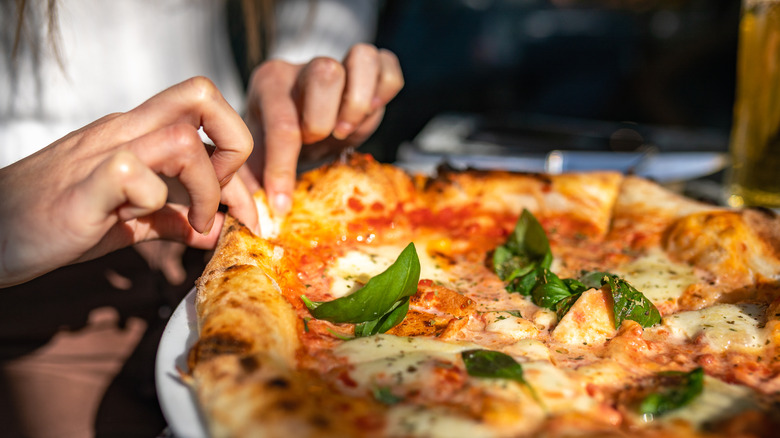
(176,399)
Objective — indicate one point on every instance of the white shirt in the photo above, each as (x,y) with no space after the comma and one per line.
(117,53)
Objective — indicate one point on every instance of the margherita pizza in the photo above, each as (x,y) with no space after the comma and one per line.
(490,303)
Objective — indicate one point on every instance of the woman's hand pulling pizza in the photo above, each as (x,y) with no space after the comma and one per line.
(314,110)
(100,188)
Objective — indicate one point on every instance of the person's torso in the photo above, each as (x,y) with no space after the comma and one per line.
(113,55)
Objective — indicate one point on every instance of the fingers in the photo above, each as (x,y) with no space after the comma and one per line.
(295,105)
(177,151)
(391,79)
(241,205)
(320,85)
(282,137)
(373,79)
(197,102)
(121,184)
(170,223)
(362,64)
(120,188)
(170,144)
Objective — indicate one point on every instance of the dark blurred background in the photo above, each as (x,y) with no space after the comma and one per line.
(651,63)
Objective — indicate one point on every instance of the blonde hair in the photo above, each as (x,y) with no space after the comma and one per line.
(52,34)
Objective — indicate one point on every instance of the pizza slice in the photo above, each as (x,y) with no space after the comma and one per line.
(489,303)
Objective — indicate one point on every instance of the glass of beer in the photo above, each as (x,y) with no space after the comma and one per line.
(754,178)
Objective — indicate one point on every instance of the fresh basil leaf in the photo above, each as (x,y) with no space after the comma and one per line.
(508,265)
(311,305)
(526,250)
(385,322)
(563,306)
(526,284)
(496,365)
(628,302)
(383,394)
(631,304)
(683,388)
(593,279)
(492,364)
(377,297)
(588,280)
(549,290)
(575,286)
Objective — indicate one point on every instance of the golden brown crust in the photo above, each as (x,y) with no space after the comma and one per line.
(242,395)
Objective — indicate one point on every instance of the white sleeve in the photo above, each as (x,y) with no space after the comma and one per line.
(306,29)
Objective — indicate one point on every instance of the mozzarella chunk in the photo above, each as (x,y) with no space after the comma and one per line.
(510,326)
(589,321)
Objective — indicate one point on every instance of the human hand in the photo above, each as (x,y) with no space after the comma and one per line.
(325,105)
(99,188)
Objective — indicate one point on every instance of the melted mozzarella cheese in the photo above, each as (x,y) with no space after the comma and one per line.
(350,271)
(556,389)
(380,347)
(723,326)
(436,422)
(269,225)
(511,326)
(658,277)
(530,349)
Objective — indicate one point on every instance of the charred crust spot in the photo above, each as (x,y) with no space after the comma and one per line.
(278,383)
(288,405)
(218,344)
(541,177)
(319,421)
(249,364)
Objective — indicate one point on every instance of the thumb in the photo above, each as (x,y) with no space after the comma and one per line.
(121,187)
(125,185)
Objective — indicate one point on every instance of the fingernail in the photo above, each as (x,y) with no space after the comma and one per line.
(343,130)
(208,228)
(281,204)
